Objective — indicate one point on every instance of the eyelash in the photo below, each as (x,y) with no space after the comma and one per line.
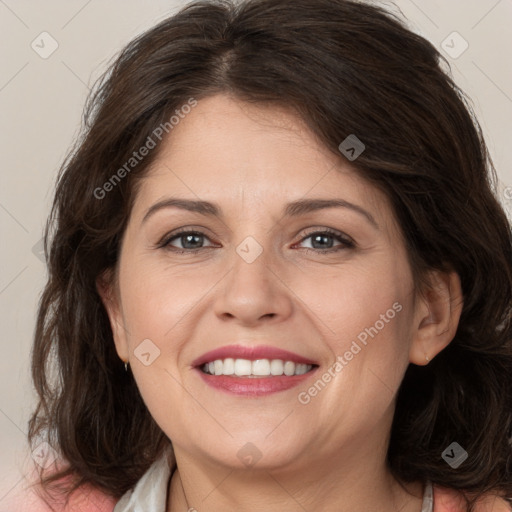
(347,243)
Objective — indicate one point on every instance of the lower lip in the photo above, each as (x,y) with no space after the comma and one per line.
(254,386)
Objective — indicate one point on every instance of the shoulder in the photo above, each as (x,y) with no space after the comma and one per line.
(90,499)
(84,499)
(451,500)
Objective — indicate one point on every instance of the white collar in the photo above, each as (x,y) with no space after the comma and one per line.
(428,498)
(150,492)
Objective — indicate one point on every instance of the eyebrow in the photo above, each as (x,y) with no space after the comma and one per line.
(293,209)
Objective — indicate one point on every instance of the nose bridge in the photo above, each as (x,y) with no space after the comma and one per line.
(252,290)
(252,261)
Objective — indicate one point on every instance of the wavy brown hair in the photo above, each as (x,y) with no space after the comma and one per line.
(344,67)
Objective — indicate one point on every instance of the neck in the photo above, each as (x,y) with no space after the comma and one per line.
(319,486)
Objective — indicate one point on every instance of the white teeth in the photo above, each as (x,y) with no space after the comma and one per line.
(289,368)
(243,367)
(276,367)
(261,367)
(228,367)
(257,368)
(300,369)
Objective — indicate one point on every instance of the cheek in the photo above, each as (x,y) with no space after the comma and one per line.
(364,315)
(368,343)
(156,299)
(354,298)
(158,303)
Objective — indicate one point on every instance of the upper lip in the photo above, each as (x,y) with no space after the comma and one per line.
(252,353)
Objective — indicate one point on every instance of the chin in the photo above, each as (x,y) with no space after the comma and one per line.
(244,451)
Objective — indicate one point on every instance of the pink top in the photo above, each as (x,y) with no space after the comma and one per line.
(445,500)
(152,488)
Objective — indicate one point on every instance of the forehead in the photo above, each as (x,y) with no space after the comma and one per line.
(228,151)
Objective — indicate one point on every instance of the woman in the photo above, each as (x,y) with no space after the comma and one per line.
(279,278)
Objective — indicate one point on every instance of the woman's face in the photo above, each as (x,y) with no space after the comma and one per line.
(260,276)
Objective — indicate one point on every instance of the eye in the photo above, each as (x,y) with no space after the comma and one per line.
(190,241)
(322,241)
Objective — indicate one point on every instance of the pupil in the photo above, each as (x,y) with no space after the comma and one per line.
(322,238)
(189,238)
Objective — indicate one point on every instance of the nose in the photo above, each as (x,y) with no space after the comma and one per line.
(253,293)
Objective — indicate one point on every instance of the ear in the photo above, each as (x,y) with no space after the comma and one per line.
(437,314)
(107,290)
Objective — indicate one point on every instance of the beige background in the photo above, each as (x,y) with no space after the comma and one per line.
(41,101)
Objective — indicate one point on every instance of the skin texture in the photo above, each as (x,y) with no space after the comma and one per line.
(328,454)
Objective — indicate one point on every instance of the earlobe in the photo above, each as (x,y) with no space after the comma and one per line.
(105,286)
(437,316)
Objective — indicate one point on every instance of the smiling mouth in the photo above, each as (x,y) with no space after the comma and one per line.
(258,368)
